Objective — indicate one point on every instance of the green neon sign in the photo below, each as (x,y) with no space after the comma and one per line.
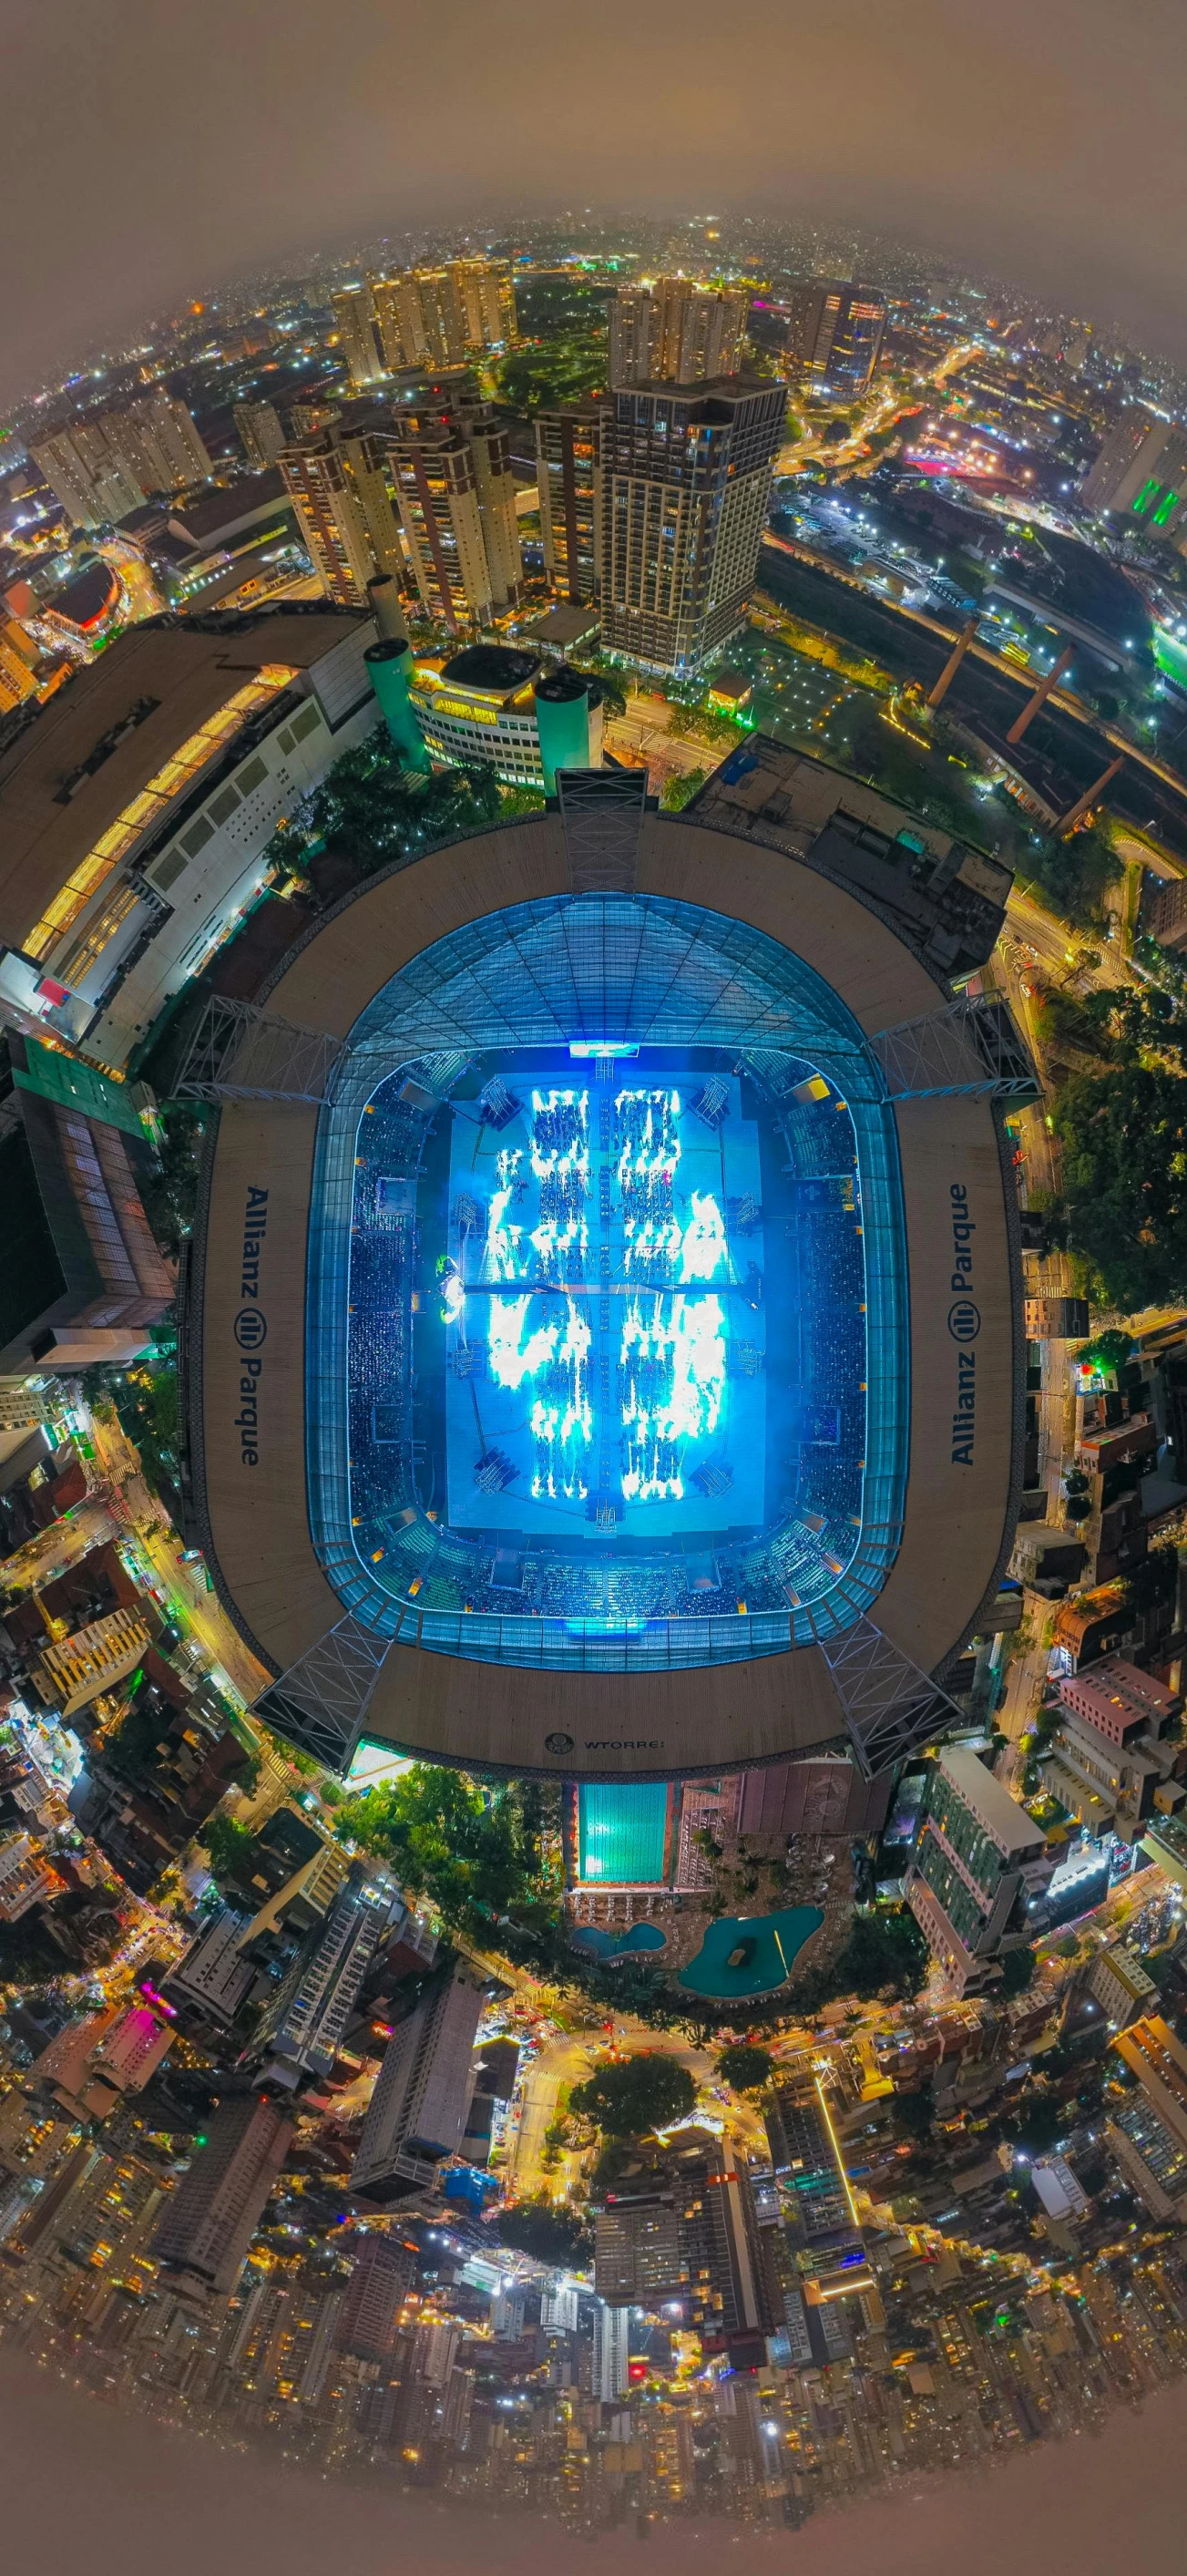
(1145,497)
(1169,502)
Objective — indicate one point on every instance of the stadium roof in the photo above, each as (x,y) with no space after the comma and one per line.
(506,892)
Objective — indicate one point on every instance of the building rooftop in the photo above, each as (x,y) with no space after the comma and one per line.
(497,669)
(89,596)
(211,515)
(564,626)
(1009,1824)
(73,766)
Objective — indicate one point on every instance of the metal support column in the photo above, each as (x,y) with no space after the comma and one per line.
(891,1707)
(237,1052)
(602,813)
(971,1047)
(321,1702)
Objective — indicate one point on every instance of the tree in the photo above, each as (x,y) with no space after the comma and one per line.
(1073,876)
(472,1852)
(637,2094)
(170,1196)
(882,1950)
(915,2112)
(227,1846)
(679,791)
(548,2233)
(745,2066)
(1018,1967)
(1124,1139)
(147,1403)
(549,374)
(371,811)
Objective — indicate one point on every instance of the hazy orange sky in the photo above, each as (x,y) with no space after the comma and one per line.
(79,2483)
(154,145)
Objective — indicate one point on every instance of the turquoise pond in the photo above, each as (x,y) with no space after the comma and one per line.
(776,1938)
(615,1945)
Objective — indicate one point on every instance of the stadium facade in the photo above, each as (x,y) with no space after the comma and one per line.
(601,1342)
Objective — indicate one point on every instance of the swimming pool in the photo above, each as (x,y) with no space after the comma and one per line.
(777,1939)
(615,1945)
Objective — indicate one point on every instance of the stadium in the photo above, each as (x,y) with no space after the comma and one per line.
(601,1341)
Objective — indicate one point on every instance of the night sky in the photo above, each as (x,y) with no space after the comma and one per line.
(155,147)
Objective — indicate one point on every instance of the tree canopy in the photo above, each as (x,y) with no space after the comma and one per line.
(370,810)
(474,1853)
(1124,1139)
(745,2066)
(549,373)
(628,2098)
(550,2234)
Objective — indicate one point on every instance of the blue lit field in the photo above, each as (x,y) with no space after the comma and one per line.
(599,1293)
(607,1334)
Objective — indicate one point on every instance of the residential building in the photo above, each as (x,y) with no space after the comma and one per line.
(611,2353)
(304,1900)
(436,316)
(208,2222)
(684,2233)
(486,295)
(94,485)
(299,2034)
(418,2109)
(496,704)
(1112,1761)
(18,665)
(89,1280)
(443,325)
(435,480)
(495,484)
(1149,2137)
(105,465)
(807,2159)
(212,1979)
(729,2290)
(26,1878)
(676,329)
(369,2317)
(354,316)
(159,437)
(261,431)
(978,1862)
(686,476)
(835,333)
(137,804)
(1118,1982)
(637,2258)
(72,1671)
(568,452)
(339,489)
(1140,474)
(1116,1697)
(1152,2156)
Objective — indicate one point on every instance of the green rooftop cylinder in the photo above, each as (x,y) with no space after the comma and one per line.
(565,701)
(389,665)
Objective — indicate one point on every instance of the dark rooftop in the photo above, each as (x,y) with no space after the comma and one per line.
(497,667)
(89,596)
